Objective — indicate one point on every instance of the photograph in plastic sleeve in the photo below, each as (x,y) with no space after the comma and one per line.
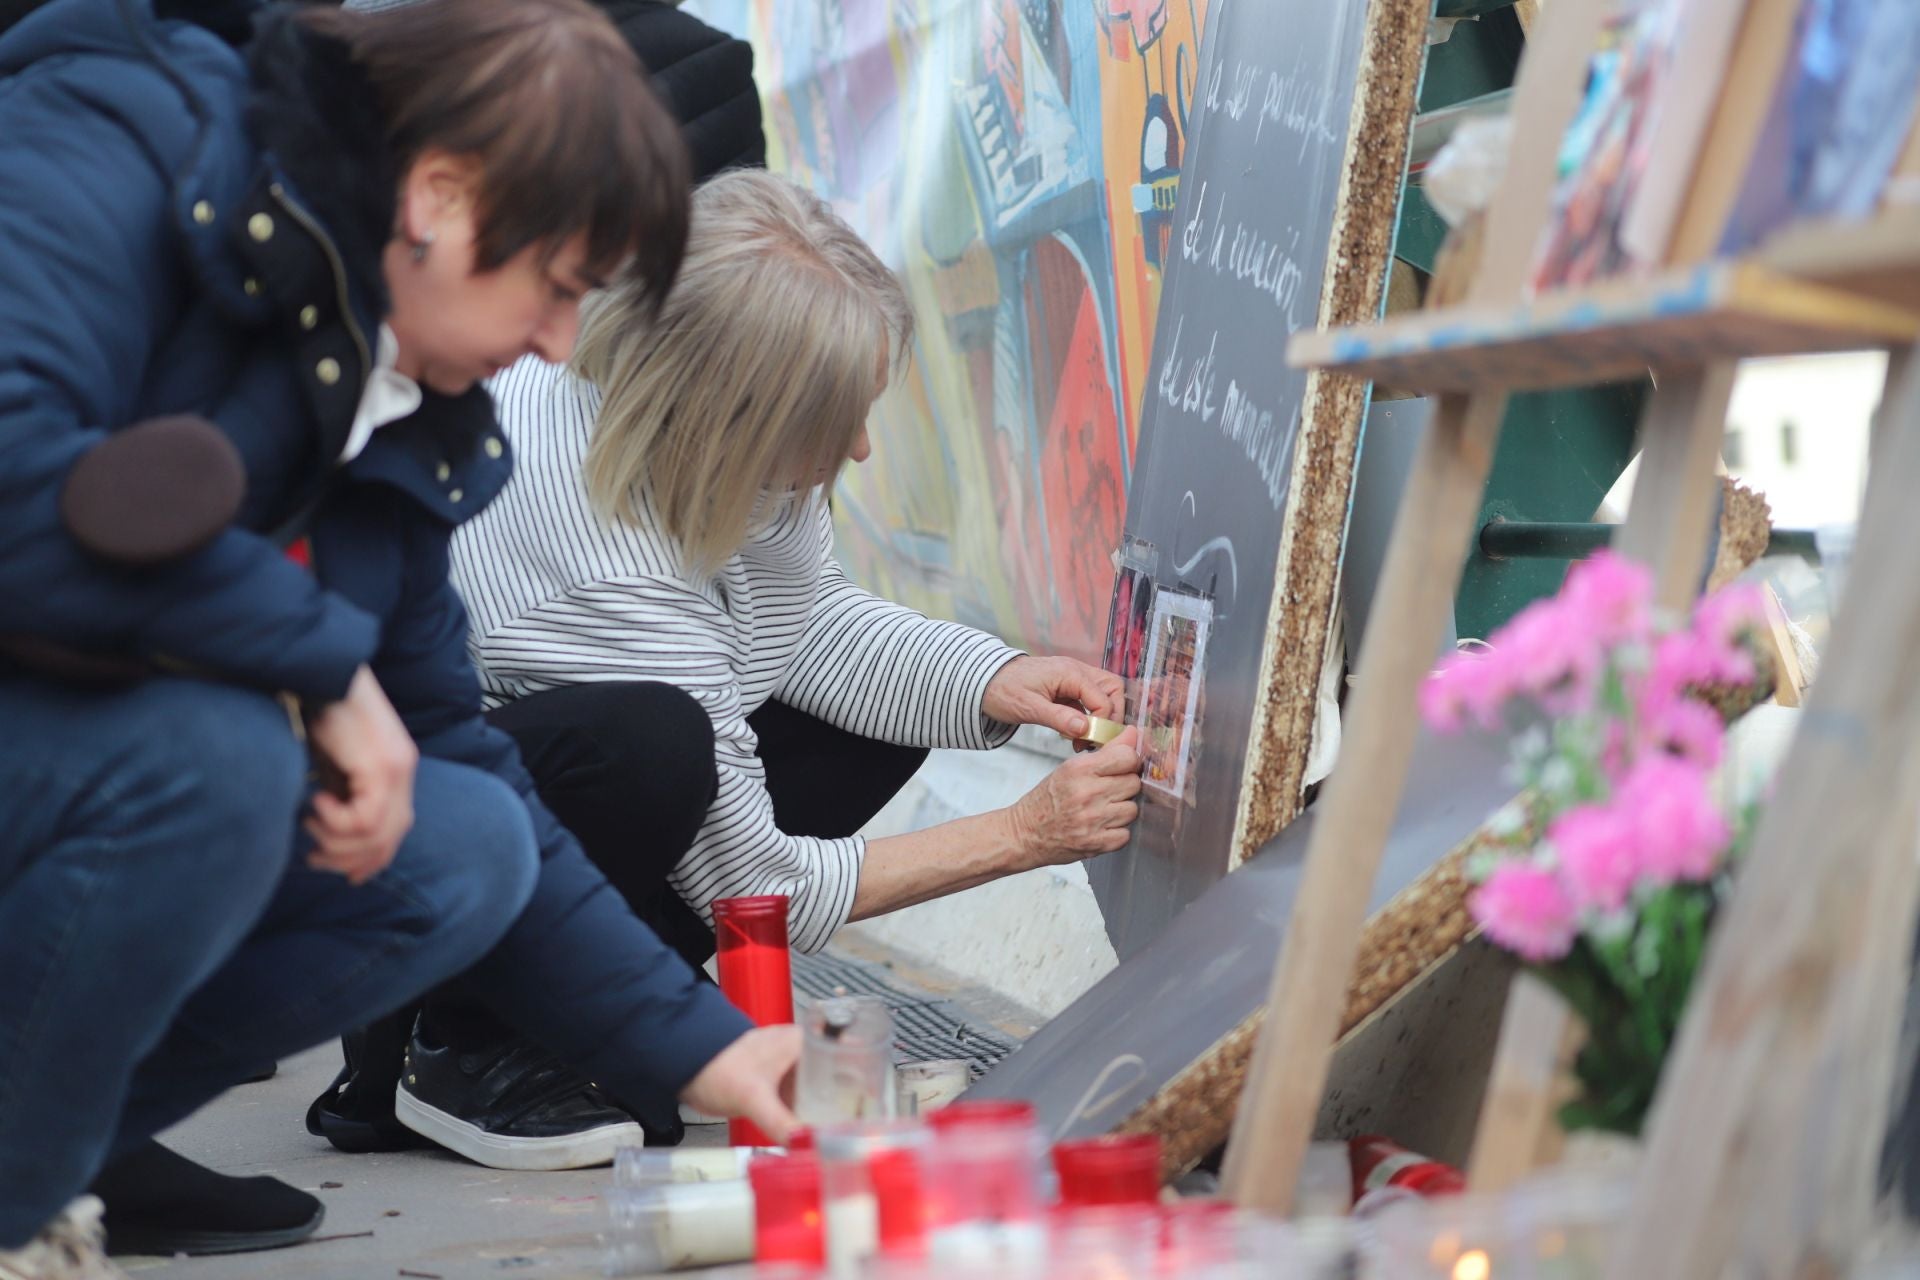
(1174,668)
(1129,610)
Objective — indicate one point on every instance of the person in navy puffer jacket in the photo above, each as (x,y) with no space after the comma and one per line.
(245,300)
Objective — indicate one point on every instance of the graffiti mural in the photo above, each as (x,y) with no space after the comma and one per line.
(1017,162)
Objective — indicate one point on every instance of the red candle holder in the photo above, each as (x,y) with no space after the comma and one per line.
(982,1170)
(1381,1162)
(1196,1233)
(1110,1170)
(1099,1240)
(895,1176)
(985,1111)
(756,973)
(787,1223)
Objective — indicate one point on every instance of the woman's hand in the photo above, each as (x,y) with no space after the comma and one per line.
(1054,692)
(1082,808)
(751,1078)
(357,834)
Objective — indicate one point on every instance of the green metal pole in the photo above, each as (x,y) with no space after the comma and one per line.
(1547,540)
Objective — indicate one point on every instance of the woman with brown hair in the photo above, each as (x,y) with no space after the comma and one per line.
(245,300)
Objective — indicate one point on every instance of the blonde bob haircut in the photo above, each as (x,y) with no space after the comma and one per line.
(756,374)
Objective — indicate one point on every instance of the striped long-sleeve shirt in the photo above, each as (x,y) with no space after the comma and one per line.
(559,597)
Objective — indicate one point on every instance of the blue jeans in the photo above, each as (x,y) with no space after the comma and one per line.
(160,934)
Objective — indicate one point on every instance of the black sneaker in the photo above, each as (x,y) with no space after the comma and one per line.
(158,1201)
(510,1106)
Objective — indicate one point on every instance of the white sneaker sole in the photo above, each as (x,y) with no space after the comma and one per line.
(582,1150)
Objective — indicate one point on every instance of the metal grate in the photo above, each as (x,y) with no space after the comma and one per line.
(925,1029)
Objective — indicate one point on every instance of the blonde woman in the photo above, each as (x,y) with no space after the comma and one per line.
(701,694)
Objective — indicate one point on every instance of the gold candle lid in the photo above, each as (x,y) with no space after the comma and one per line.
(1100,732)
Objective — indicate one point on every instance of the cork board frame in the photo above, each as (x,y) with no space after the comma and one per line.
(1392,60)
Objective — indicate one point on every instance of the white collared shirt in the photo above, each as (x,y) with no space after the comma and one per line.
(389,396)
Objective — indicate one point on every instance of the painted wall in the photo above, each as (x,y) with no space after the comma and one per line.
(1017,162)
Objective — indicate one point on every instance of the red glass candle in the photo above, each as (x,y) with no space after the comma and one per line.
(787,1225)
(981,1172)
(756,973)
(983,1111)
(1382,1162)
(1111,1170)
(895,1176)
(1196,1233)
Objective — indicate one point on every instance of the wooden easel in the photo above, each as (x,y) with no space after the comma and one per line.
(1808,963)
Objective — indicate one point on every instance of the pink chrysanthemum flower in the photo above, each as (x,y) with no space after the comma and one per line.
(1598,858)
(1525,909)
(1678,832)
(1612,596)
(1547,651)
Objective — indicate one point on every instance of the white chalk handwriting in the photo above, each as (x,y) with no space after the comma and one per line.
(1189,384)
(1293,101)
(1245,254)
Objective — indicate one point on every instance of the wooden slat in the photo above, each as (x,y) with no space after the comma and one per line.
(1538,1038)
(1757,1156)
(1670,521)
(1864,1046)
(1288,1074)
(1879,258)
(1614,330)
(1546,94)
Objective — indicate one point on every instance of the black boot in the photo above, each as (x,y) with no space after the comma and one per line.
(161,1202)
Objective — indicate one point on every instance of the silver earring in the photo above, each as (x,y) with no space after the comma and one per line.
(421,246)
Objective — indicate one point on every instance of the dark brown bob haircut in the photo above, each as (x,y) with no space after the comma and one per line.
(551,103)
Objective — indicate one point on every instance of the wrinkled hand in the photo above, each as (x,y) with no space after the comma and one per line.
(361,734)
(1082,808)
(1054,692)
(753,1078)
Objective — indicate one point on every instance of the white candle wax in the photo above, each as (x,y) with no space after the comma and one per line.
(853,1232)
(706,1224)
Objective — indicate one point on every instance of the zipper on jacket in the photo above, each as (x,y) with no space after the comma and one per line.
(314,229)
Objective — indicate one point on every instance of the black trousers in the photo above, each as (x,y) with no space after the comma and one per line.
(629,770)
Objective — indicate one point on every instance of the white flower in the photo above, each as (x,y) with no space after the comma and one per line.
(1609,926)
(1508,820)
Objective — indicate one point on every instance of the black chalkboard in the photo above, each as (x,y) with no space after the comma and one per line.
(1222,411)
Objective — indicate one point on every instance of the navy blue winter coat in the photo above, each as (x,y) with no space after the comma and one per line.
(183,233)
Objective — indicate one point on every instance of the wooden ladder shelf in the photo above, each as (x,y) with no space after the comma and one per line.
(1761,1145)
